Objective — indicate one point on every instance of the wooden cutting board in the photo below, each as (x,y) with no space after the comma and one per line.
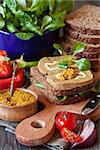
(39,128)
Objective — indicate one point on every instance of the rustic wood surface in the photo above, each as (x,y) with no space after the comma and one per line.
(8,140)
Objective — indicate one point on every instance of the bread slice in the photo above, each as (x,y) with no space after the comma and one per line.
(84,79)
(68,44)
(88,39)
(85,20)
(95,64)
(88,55)
(52,93)
(47,64)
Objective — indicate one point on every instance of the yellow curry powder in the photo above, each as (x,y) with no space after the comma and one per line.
(19,98)
(67,74)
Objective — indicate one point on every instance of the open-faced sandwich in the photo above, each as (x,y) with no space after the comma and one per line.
(63,79)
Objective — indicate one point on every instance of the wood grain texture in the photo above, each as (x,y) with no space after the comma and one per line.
(34,136)
(7,140)
(12,113)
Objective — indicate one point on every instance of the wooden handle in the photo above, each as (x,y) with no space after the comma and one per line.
(39,128)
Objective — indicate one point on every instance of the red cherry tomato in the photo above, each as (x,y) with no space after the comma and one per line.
(65,119)
(3,53)
(70,136)
(5,69)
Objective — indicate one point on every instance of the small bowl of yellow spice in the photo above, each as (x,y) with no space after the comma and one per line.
(22,104)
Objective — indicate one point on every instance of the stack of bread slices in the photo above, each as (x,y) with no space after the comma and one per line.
(84,25)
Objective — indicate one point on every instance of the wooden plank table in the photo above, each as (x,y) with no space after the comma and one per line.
(8,142)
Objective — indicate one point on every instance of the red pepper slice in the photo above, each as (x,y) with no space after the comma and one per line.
(5,69)
(70,136)
(3,53)
(18,81)
(65,119)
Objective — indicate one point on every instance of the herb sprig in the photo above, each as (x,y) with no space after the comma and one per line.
(83,64)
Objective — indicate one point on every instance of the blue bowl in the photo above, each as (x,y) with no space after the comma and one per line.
(33,49)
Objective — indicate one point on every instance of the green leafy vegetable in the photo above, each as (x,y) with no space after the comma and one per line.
(62,98)
(2,22)
(97,87)
(36,16)
(11,27)
(46,20)
(83,64)
(38,84)
(78,47)
(62,66)
(24,64)
(11,4)
(51,5)
(57,21)
(24,35)
(2,11)
(22,3)
(59,48)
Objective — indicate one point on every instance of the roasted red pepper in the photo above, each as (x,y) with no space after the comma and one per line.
(5,69)
(65,119)
(70,136)
(18,81)
(3,53)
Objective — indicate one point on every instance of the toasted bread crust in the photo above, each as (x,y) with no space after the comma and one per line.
(51,93)
(88,47)
(47,60)
(89,51)
(88,39)
(85,20)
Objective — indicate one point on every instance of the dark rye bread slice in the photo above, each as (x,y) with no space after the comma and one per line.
(88,47)
(89,55)
(85,20)
(89,39)
(51,93)
(95,64)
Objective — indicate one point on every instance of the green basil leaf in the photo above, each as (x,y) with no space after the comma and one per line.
(38,84)
(78,47)
(2,11)
(24,36)
(62,98)
(83,64)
